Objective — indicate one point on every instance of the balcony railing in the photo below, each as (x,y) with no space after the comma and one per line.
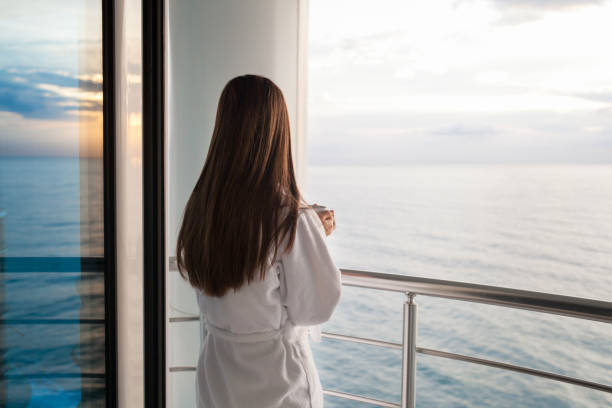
(575,307)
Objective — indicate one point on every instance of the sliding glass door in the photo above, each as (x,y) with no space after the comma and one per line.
(56,207)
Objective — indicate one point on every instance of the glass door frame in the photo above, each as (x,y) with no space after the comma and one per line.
(110,217)
(154,187)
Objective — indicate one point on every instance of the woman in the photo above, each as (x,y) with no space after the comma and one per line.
(257,257)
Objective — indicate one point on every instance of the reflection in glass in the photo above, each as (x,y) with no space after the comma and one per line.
(51,205)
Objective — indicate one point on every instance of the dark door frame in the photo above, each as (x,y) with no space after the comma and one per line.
(153,166)
(110,201)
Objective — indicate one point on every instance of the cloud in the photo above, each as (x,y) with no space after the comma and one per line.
(596,96)
(46,95)
(519,137)
(544,4)
(21,136)
(464,132)
(522,11)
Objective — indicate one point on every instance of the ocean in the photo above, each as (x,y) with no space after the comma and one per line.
(53,212)
(544,228)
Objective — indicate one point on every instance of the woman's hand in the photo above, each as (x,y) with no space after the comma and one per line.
(329,221)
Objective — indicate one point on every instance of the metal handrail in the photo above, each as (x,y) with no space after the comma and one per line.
(581,308)
(575,307)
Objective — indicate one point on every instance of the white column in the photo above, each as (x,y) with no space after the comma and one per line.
(211,42)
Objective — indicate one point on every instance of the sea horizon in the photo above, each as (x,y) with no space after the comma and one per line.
(537,227)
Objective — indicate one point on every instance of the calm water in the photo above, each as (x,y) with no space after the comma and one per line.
(543,228)
(53,209)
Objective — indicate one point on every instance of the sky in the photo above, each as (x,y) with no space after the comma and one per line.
(50,78)
(460,81)
(390,81)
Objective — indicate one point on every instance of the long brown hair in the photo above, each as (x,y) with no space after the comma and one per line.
(246,200)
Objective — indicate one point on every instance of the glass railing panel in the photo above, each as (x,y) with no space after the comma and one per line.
(534,340)
(369,371)
(368,313)
(442,382)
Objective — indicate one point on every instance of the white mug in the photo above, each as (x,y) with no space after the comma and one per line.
(319,208)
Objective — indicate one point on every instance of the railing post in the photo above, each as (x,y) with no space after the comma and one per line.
(409,352)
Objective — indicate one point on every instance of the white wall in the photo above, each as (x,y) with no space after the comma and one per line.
(210,42)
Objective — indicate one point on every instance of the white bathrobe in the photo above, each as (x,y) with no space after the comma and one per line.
(255,351)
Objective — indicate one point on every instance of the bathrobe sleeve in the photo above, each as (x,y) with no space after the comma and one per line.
(311,283)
